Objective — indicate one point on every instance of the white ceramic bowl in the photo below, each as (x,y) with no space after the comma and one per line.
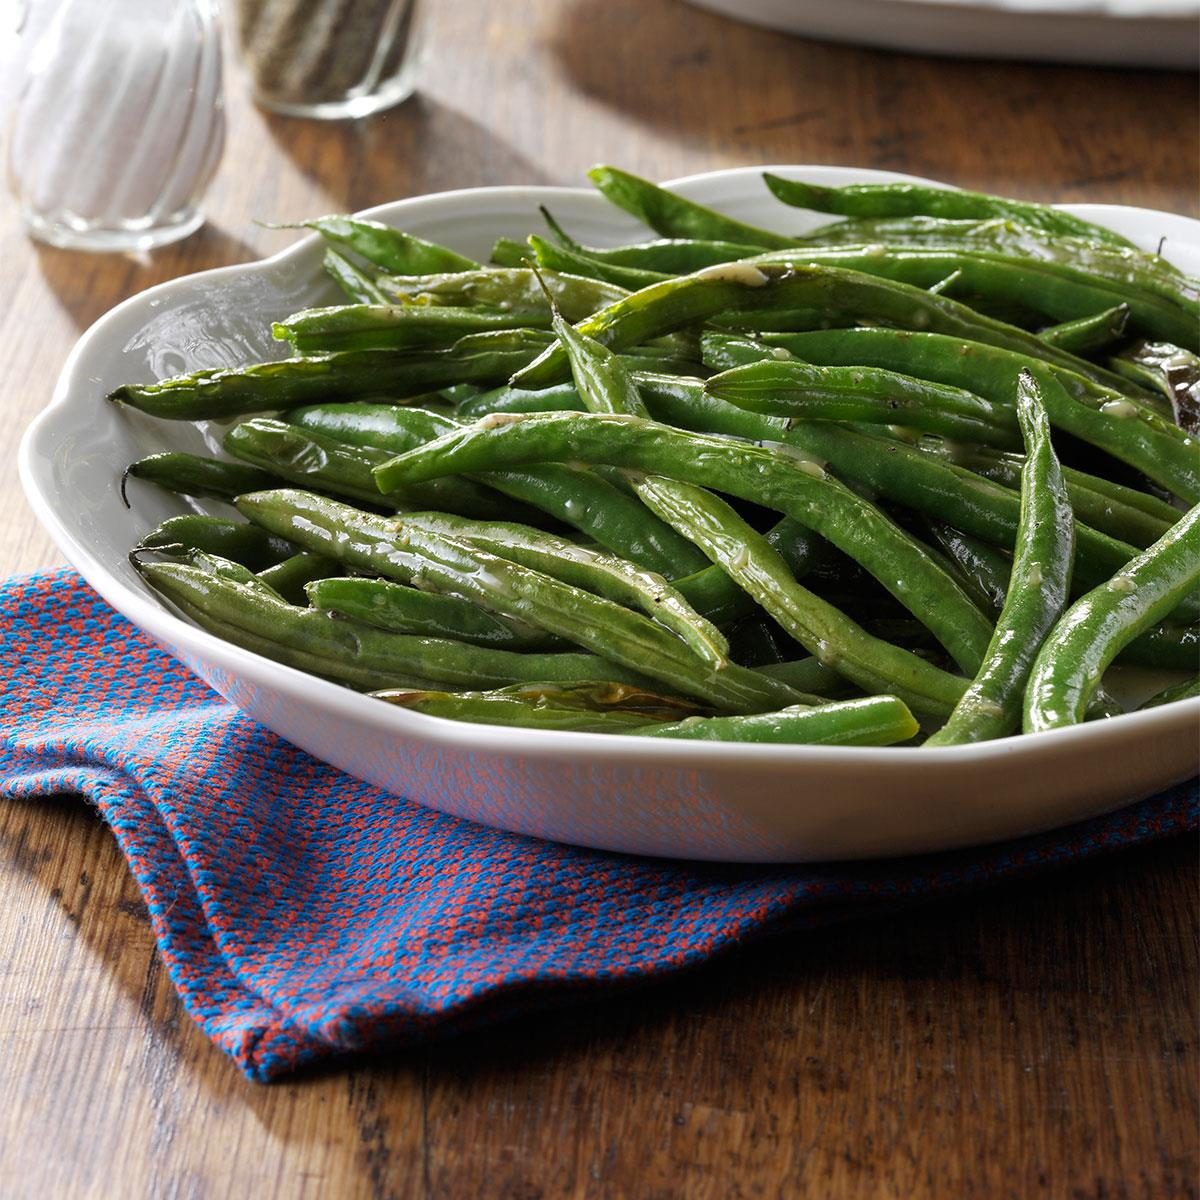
(1124,33)
(681,799)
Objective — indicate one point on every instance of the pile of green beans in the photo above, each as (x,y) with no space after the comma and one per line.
(924,475)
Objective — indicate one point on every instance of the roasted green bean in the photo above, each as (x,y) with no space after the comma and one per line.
(871,721)
(799,488)
(915,199)
(389,547)
(1094,629)
(1037,591)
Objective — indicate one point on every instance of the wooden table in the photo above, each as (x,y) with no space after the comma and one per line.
(1038,1041)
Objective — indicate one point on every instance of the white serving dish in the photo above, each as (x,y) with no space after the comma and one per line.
(679,799)
(1123,33)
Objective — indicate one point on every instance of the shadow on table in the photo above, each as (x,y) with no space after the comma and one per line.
(420,146)
(87,285)
(752,95)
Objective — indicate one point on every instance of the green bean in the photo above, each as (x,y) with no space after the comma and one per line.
(673,216)
(393,326)
(347,375)
(499,708)
(663,256)
(355,653)
(238,541)
(905,632)
(1133,270)
(1002,284)
(323,664)
(804,392)
(574,495)
(390,548)
(314,460)
(1121,512)
(579,262)
(982,569)
(677,354)
(1102,511)
(508,252)
(1037,592)
(605,386)
(1087,335)
(484,708)
(599,696)
(714,595)
(373,425)
(211,564)
(914,199)
(401,609)
(900,472)
(195,475)
(675,256)
(357,285)
(870,721)
(801,490)
(1007,232)
(387,248)
(794,319)
(724,351)
(561,397)
(603,574)
(1102,418)
(998,232)
(575,296)
(746,287)
(803,551)
(1165,647)
(583,498)
(809,675)
(602,382)
(1120,494)
(586,707)
(886,466)
(1177,691)
(290,577)
(834,639)
(1096,627)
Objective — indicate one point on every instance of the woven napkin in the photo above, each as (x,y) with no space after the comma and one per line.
(303,914)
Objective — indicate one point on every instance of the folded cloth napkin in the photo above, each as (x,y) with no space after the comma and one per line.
(303,914)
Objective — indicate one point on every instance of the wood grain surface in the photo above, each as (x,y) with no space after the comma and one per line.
(1031,1042)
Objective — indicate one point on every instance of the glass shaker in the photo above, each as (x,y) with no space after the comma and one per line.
(328,58)
(118,125)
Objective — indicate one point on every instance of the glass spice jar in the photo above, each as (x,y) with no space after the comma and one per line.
(118,123)
(328,58)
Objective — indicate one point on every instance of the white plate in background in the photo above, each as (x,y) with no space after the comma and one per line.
(1122,33)
(680,799)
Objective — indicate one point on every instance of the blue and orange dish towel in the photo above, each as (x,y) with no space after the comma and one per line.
(305,915)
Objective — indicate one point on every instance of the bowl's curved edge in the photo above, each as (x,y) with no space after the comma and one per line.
(186,640)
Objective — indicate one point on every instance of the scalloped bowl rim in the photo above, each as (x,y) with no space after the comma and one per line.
(176,633)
